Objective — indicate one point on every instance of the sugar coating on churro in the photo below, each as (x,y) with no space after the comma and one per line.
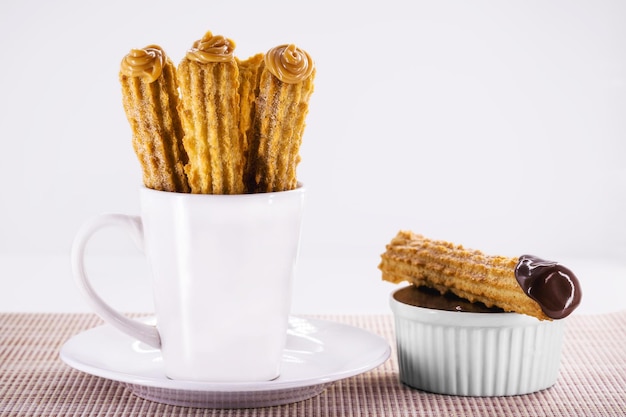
(478,277)
(208,77)
(217,124)
(150,100)
(249,74)
(285,87)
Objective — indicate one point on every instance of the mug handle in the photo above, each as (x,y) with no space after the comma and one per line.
(140,331)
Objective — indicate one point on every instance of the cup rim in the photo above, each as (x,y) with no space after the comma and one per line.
(300,188)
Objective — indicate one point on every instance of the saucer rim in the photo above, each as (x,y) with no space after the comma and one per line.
(230,387)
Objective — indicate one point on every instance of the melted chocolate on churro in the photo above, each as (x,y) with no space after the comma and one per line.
(554,287)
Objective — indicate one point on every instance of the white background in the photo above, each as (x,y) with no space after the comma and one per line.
(496,124)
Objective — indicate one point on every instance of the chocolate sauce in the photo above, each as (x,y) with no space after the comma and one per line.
(550,284)
(431,298)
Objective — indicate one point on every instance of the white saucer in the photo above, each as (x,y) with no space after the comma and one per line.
(318,353)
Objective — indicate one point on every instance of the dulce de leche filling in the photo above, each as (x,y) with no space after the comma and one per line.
(212,49)
(554,287)
(289,63)
(146,63)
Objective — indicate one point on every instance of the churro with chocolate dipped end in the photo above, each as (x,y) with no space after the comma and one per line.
(526,285)
(150,99)
(209,81)
(249,75)
(285,87)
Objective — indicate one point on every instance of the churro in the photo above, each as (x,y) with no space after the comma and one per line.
(285,86)
(248,89)
(527,285)
(150,99)
(209,81)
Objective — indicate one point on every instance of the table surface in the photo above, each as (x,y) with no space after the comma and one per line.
(35,382)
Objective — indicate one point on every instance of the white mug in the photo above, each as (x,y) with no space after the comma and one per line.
(222,269)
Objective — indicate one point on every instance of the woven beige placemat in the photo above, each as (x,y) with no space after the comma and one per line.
(35,382)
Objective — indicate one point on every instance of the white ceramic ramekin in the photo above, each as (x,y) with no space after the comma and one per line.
(475,354)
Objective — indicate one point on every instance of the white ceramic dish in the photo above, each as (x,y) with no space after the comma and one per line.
(475,354)
(318,353)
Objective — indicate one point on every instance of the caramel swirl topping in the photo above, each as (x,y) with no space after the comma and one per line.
(146,63)
(289,63)
(212,49)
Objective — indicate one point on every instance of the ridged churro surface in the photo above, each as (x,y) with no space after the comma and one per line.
(249,74)
(208,77)
(217,124)
(150,99)
(467,273)
(280,111)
